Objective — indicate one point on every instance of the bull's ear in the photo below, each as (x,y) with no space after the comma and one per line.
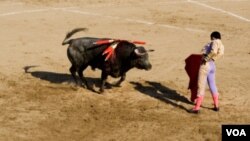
(150,50)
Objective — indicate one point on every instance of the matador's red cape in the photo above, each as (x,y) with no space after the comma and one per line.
(192,68)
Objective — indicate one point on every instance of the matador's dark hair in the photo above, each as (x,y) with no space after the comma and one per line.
(216,35)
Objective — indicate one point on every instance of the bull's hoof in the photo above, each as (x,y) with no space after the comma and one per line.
(78,84)
(117,84)
(84,86)
(108,85)
(101,91)
(93,90)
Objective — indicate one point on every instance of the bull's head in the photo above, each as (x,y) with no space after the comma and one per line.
(141,60)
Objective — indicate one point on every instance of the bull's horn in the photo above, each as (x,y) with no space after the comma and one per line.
(150,50)
(138,52)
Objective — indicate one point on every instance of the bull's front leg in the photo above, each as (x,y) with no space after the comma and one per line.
(118,83)
(103,81)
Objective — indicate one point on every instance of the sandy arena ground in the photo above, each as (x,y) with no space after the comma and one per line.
(44,104)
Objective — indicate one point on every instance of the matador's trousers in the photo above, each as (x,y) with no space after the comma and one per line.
(207,75)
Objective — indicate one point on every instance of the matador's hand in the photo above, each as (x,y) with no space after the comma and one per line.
(204,59)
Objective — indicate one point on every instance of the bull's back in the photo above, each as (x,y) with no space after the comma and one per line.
(122,61)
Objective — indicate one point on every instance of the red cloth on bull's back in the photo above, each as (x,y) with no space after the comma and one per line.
(192,68)
(109,52)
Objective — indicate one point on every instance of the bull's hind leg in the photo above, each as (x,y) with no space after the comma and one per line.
(104,78)
(83,79)
(72,70)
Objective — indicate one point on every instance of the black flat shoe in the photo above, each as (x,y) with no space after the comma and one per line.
(192,111)
(216,109)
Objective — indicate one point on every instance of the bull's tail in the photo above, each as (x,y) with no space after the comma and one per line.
(26,68)
(69,34)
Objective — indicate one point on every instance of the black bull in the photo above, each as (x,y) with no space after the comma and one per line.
(82,52)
